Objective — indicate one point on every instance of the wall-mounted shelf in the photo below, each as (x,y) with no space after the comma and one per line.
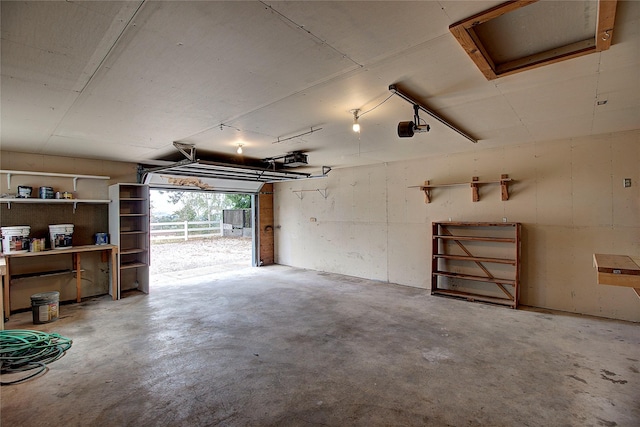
(475,183)
(322,191)
(74,202)
(75,177)
(617,270)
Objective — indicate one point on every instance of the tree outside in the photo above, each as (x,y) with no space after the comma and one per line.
(195,205)
(199,256)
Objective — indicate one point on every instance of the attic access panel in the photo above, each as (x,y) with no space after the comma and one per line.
(525,34)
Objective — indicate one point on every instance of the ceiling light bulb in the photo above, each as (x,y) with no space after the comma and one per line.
(356,125)
(239,150)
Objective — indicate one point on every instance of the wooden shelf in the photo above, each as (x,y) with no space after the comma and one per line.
(617,270)
(475,183)
(129,229)
(510,282)
(451,259)
(479,259)
(127,265)
(473,297)
(132,251)
(478,239)
(43,274)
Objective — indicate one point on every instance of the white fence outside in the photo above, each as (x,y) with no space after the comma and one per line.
(185,230)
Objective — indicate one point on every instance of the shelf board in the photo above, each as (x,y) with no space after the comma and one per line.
(510,282)
(128,265)
(53,201)
(474,297)
(476,224)
(476,238)
(132,199)
(133,215)
(478,259)
(132,232)
(42,274)
(132,251)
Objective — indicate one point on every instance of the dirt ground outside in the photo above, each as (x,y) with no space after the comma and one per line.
(200,255)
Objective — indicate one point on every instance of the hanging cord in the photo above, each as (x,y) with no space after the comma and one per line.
(371,109)
(23,350)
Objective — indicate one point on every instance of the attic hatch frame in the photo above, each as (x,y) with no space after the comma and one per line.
(465,34)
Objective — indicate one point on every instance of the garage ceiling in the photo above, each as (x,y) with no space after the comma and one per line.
(125,80)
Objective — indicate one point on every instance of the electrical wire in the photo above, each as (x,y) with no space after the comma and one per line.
(371,109)
(23,350)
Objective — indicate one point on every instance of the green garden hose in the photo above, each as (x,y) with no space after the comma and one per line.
(23,350)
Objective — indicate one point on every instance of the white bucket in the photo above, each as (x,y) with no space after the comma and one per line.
(15,240)
(61,235)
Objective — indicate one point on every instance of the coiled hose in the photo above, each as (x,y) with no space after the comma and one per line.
(23,350)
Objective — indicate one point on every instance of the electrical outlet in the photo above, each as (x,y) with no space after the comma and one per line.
(626,182)
(504,219)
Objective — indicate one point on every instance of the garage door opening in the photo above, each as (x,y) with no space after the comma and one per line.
(197,233)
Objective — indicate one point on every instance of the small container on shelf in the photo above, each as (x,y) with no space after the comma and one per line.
(24,192)
(46,193)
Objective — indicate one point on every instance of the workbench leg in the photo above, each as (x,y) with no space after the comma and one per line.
(7,283)
(78,279)
(115,272)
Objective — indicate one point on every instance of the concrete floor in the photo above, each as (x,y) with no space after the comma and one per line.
(277,346)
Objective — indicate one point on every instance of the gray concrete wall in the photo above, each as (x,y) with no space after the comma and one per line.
(568,194)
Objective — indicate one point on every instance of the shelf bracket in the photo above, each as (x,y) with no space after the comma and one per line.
(475,194)
(8,181)
(427,192)
(504,187)
(323,192)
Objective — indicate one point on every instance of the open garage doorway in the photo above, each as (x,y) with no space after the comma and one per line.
(198,233)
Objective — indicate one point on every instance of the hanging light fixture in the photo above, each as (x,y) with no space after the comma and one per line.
(239,150)
(356,125)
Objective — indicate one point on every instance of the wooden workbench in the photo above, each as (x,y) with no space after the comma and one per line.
(75,251)
(617,270)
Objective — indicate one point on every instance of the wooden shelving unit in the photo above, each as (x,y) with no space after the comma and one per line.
(129,229)
(467,257)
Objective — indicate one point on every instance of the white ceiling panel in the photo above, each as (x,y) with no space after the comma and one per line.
(558,101)
(103,149)
(57,46)
(367,34)
(123,80)
(616,120)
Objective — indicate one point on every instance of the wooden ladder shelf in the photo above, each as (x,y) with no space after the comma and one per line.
(455,265)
